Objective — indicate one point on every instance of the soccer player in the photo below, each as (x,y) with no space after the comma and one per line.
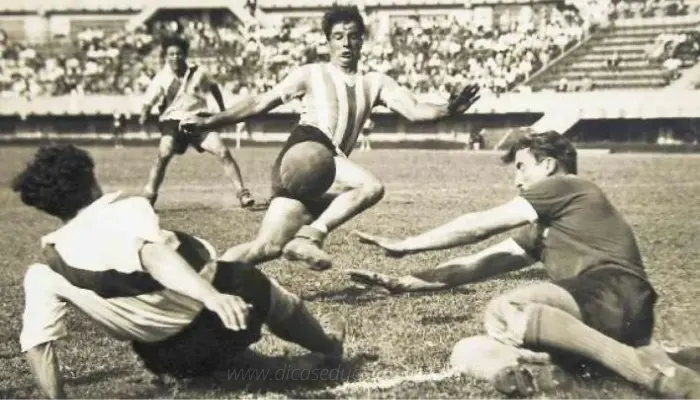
(599,304)
(336,101)
(366,144)
(181,89)
(185,312)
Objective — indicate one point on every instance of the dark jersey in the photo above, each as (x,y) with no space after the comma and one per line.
(577,229)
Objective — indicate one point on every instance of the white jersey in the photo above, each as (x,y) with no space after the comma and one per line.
(105,279)
(179,96)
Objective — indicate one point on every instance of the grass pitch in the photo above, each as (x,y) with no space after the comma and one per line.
(388,336)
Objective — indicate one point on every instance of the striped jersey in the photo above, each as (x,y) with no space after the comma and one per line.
(338,104)
(177,96)
(101,274)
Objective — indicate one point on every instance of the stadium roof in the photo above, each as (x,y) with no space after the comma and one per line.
(34,6)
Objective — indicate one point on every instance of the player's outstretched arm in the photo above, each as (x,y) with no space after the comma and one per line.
(43,362)
(400,100)
(468,229)
(291,86)
(498,259)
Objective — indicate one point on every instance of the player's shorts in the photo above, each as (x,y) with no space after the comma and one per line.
(299,134)
(206,345)
(614,302)
(181,140)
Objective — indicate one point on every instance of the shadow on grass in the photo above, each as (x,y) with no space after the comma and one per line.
(256,373)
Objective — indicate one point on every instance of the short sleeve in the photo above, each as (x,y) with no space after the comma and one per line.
(529,239)
(549,197)
(112,237)
(42,320)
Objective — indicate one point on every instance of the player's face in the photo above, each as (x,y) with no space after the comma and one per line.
(345,44)
(175,57)
(528,170)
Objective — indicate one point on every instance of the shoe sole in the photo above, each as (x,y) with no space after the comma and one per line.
(314,264)
(517,381)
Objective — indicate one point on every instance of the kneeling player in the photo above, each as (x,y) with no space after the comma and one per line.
(182,90)
(184,312)
(600,304)
(337,99)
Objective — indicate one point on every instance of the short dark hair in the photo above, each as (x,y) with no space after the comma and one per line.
(546,144)
(342,14)
(176,41)
(59,180)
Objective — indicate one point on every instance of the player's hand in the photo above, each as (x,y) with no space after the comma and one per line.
(392,247)
(370,278)
(232,310)
(461,99)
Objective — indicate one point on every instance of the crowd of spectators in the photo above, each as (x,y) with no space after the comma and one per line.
(429,54)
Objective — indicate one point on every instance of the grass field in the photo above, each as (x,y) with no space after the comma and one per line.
(388,336)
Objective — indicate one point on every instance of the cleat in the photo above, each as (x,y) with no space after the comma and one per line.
(674,380)
(527,379)
(306,247)
(305,250)
(245,198)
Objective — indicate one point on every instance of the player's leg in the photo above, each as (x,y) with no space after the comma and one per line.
(211,142)
(354,190)
(551,316)
(282,221)
(455,272)
(167,148)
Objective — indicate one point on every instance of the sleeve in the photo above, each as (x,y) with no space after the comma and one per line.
(549,197)
(528,238)
(153,92)
(136,219)
(42,320)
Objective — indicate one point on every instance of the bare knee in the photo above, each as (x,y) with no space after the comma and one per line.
(373,191)
(506,320)
(222,153)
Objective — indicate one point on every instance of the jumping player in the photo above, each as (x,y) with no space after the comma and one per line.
(336,101)
(185,313)
(600,304)
(181,90)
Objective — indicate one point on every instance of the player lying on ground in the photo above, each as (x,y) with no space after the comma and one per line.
(181,89)
(185,312)
(336,100)
(599,305)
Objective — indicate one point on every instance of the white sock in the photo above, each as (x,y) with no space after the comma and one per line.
(320,226)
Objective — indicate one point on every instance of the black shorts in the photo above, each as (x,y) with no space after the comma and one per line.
(181,140)
(206,345)
(299,134)
(615,302)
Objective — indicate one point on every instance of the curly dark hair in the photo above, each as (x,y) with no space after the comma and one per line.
(176,41)
(546,144)
(342,14)
(59,180)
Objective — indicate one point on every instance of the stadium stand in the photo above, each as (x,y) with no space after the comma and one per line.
(618,57)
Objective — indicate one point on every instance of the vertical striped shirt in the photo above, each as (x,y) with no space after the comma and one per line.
(338,104)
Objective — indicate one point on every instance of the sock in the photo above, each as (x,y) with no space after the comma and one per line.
(320,226)
(299,326)
(555,328)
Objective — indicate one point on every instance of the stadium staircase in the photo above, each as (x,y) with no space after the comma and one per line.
(629,38)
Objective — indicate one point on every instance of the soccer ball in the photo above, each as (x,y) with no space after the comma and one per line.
(307,170)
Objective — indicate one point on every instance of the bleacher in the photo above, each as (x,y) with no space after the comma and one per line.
(630,41)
